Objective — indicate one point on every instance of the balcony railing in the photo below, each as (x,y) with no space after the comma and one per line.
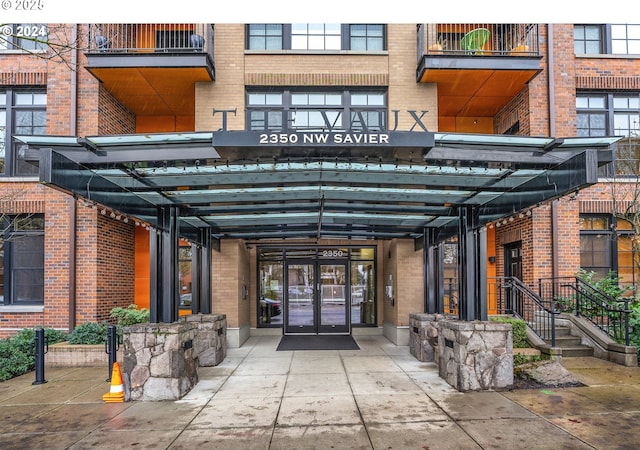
(478,39)
(151,38)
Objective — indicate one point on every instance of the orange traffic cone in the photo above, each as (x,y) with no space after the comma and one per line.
(116,393)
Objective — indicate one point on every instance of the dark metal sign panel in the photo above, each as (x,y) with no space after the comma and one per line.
(297,138)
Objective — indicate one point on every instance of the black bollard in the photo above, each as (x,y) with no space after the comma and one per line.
(112,347)
(41,347)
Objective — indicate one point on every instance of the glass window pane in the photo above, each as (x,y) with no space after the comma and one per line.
(596,102)
(582,121)
(316,43)
(578,32)
(333,43)
(256,99)
(621,102)
(316,28)
(619,47)
(256,43)
(23,118)
(24,99)
(633,31)
(592,33)
(3,99)
(299,42)
(275,119)
(358,44)
(358,30)
(316,99)
(39,118)
(39,99)
(274,43)
(334,99)
(299,99)
(592,48)
(618,32)
(633,47)
(273,99)
(273,29)
(597,121)
(582,102)
(622,224)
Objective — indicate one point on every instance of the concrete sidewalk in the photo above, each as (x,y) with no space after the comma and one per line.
(379,397)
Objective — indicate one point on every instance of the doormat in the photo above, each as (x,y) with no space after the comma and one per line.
(292,342)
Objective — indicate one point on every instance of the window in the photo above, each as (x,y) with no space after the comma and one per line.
(612,114)
(316,37)
(22,112)
(23,36)
(592,115)
(22,260)
(366,37)
(616,39)
(625,39)
(265,37)
(606,245)
(317,109)
(587,39)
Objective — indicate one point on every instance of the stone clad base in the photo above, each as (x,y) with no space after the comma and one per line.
(160,360)
(471,356)
(423,335)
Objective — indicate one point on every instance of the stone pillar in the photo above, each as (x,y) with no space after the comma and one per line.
(423,335)
(210,342)
(476,356)
(159,361)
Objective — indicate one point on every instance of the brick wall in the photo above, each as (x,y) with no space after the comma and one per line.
(395,69)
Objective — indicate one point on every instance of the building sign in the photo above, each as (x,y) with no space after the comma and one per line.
(418,136)
(298,138)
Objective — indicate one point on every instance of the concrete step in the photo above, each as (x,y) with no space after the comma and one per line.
(568,341)
(577,351)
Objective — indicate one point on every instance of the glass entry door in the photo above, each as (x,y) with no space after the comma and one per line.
(317,297)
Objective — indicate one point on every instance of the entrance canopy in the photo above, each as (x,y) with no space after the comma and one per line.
(251,185)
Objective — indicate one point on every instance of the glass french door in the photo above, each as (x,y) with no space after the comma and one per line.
(317,297)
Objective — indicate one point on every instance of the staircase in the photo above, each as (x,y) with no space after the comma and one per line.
(570,344)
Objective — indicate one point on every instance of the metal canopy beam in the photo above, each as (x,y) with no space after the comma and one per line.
(242,189)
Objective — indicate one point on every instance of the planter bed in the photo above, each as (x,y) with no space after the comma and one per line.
(64,354)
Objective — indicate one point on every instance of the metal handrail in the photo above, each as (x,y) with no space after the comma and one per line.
(575,296)
(151,38)
(505,39)
(515,298)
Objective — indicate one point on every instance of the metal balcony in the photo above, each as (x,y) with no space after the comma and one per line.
(152,68)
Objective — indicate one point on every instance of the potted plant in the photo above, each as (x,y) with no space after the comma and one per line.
(438,47)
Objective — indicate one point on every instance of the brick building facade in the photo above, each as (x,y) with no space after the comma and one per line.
(94,260)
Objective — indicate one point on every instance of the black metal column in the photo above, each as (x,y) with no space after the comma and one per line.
(430,272)
(438,255)
(196,262)
(205,271)
(466,265)
(472,255)
(482,307)
(164,245)
(155,305)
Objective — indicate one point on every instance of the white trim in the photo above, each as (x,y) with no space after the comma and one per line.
(22,308)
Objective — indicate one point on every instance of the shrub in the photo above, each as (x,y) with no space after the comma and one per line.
(519,330)
(89,333)
(17,354)
(129,315)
